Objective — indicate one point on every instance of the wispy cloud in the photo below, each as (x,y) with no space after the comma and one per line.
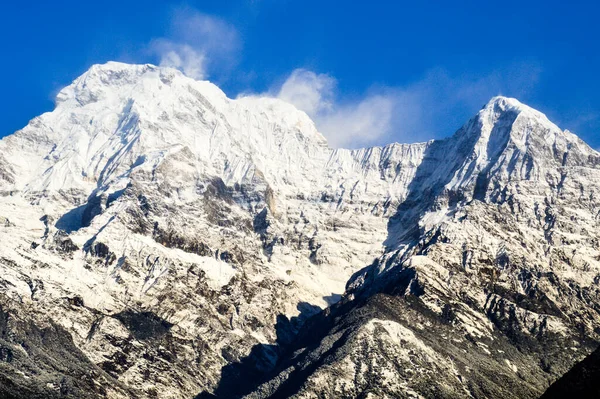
(439,103)
(354,123)
(184,57)
(431,107)
(313,93)
(197,44)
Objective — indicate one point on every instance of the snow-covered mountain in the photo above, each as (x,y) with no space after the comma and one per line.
(161,239)
(489,283)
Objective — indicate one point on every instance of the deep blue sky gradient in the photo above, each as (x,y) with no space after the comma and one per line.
(363,44)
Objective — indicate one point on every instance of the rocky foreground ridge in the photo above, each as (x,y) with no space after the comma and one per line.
(162,240)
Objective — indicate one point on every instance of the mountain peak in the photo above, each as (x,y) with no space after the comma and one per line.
(116,114)
(507,121)
(500,105)
(117,79)
(503,101)
(120,66)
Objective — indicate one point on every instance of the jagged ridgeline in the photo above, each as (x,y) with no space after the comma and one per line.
(162,240)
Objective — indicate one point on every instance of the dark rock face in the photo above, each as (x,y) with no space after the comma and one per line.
(582,381)
(63,243)
(172,239)
(43,362)
(102,251)
(144,325)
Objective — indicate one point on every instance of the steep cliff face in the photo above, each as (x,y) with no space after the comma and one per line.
(180,242)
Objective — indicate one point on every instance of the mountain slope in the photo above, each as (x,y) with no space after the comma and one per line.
(184,242)
(488,287)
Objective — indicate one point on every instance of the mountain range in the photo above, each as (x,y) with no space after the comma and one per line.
(162,240)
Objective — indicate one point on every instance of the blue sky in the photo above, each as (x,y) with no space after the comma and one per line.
(367,72)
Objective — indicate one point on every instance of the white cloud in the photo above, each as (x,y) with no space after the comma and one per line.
(308,91)
(432,107)
(358,124)
(197,43)
(343,124)
(183,57)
